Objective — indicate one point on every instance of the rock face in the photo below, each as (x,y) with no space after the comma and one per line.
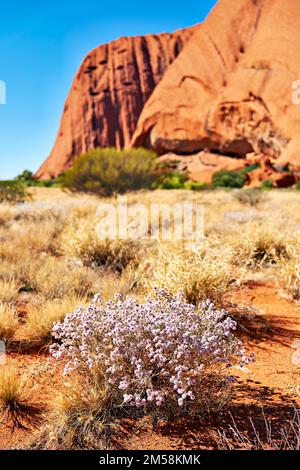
(108,94)
(230,90)
(211,94)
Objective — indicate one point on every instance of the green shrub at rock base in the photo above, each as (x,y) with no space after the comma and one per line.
(27,179)
(195,185)
(108,171)
(229,179)
(267,185)
(13,192)
(171,180)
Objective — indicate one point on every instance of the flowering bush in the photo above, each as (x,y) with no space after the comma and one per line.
(161,355)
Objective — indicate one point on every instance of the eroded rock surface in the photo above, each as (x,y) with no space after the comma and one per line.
(230,90)
(108,94)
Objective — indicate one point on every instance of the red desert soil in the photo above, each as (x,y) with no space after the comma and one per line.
(271,386)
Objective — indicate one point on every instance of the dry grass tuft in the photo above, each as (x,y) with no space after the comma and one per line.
(81,242)
(9,322)
(258,246)
(77,420)
(14,400)
(200,275)
(290,275)
(37,330)
(9,290)
(268,438)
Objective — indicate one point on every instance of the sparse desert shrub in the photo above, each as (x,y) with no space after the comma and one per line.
(262,246)
(13,192)
(199,275)
(25,176)
(108,171)
(164,356)
(195,185)
(28,180)
(229,179)
(171,180)
(177,180)
(8,322)
(81,241)
(267,185)
(249,197)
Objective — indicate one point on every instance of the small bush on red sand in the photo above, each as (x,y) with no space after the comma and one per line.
(163,357)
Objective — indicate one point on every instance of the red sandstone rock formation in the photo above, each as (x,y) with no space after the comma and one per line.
(108,95)
(201,166)
(230,90)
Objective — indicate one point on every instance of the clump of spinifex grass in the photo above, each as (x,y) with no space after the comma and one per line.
(259,246)
(200,275)
(9,322)
(81,241)
(9,290)
(37,329)
(14,398)
(77,420)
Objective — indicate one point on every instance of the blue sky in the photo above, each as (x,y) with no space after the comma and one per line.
(41,47)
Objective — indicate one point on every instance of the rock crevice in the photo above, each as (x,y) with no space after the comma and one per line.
(108,94)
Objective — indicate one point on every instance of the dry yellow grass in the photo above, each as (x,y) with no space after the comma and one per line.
(49,251)
(37,329)
(12,391)
(9,323)
(77,419)
(201,274)
(9,290)
(51,260)
(261,244)
(80,241)
(290,274)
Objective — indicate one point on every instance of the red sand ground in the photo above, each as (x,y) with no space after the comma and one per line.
(271,384)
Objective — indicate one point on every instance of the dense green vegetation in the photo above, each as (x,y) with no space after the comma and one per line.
(232,179)
(108,171)
(16,190)
(229,179)
(28,180)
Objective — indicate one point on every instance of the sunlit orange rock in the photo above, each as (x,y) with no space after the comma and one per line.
(108,95)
